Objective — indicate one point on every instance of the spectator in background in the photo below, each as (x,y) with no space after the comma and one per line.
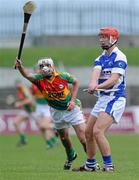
(65,108)
(108,73)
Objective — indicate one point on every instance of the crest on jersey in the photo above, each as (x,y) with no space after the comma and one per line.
(61,86)
(110,63)
(120,64)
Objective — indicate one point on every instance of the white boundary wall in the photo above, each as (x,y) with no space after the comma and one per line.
(8,76)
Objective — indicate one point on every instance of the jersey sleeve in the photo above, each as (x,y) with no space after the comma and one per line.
(37,76)
(97,63)
(68,77)
(120,65)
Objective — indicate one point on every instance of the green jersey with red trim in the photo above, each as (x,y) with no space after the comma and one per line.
(22,94)
(56,91)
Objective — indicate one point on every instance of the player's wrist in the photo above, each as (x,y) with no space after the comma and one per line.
(72,100)
(20,66)
(72,103)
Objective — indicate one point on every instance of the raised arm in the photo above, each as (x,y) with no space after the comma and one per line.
(23,71)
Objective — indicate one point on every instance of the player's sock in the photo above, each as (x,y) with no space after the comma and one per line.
(54,139)
(107,160)
(23,138)
(70,153)
(71,156)
(49,143)
(91,163)
(56,133)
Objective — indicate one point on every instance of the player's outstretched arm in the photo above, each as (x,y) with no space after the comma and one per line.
(23,71)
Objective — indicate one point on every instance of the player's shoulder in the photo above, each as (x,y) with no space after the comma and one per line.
(38,76)
(120,55)
(63,73)
(67,76)
(99,57)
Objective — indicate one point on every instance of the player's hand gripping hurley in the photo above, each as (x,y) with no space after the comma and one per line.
(104,90)
(28,9)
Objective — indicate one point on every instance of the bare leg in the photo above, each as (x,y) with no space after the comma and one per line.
(71,154)
(91,163)
(17,123)
(80,131)
(90,140)
(65,139)
(103,122)
(47,130)
(46,127)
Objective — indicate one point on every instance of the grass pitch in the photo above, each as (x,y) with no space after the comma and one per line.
(69,56)
(34,162)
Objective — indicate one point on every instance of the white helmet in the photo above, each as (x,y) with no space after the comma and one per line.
(45,60)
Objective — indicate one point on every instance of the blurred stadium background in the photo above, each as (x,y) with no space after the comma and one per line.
(71,26)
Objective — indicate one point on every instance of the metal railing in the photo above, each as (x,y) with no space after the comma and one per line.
(70,17)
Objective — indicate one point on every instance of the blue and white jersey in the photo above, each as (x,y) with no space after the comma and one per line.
(116,62)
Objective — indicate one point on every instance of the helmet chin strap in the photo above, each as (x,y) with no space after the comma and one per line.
(112,42)
(48,76)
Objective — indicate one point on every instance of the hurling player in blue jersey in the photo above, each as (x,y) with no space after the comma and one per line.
(108,73)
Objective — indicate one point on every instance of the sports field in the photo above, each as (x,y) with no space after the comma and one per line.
(34,162)
(69,56)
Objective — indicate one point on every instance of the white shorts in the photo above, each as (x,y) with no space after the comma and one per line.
(64,119)
(28,115)
(114,106)
(43,110)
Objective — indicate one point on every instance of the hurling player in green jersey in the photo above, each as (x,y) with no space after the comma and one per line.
(27,108)
(62,100)
(44,119)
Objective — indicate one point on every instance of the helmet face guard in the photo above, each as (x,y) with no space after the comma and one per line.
(47,72)
(112,34)
(45,62)
(46,66)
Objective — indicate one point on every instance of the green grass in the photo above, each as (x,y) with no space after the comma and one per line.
(34,162)
(69,56)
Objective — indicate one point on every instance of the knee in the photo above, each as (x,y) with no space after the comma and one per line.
(88,135)
(16,122)
(82,140)
(81,136)
(63,137)
(97,132)
(42,129)
(40,125)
